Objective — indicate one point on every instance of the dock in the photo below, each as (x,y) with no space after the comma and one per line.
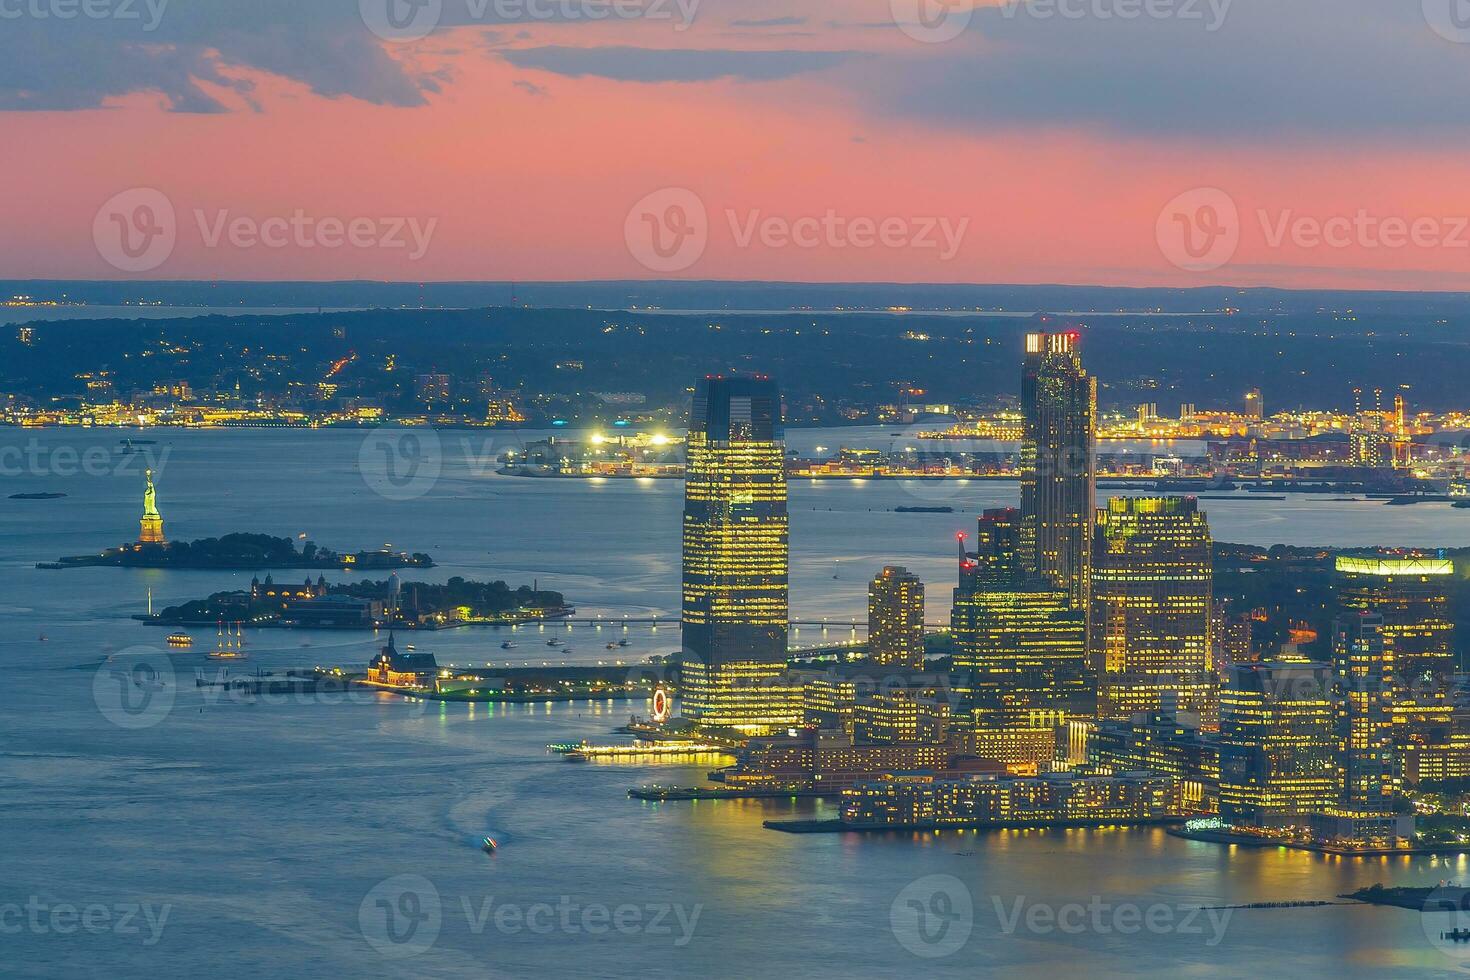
(660,794)
(835,826)
(676,750)
(291,682)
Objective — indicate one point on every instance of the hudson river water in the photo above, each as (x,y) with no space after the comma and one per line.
(185,836)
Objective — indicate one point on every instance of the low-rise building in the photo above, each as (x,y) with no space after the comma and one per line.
(1277,746)
(1168,742)
(816,759)
(927,800)
(900,716)
(1433,763)
(1022,749)
(334,612)
(398,669)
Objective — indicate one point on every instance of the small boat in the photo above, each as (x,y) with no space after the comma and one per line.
(489,845)
(553,642)
(180,640)
(507,645)
(131,445)
(612,646)
(231,645)
(625,643)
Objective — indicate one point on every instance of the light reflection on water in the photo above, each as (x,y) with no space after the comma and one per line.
(265,825)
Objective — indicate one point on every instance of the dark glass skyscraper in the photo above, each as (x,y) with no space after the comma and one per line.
(1366,812)
(1412,594)
(736,557)
(1278,753)
(1149,630)
(896,618)
(1020,650)
(1058,483)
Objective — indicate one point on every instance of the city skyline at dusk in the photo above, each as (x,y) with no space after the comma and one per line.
(735,488)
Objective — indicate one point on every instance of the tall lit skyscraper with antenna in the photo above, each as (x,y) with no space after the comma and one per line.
(1058,476)
(736,559)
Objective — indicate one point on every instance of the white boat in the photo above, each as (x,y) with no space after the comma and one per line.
(231,645)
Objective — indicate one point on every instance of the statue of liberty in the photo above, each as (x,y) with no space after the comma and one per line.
(150,527)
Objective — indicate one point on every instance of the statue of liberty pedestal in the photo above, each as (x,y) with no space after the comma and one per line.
(150,527)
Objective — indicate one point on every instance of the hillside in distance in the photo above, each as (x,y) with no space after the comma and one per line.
(1372,309)
(825,361)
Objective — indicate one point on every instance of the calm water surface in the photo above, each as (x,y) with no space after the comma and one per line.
(268,829)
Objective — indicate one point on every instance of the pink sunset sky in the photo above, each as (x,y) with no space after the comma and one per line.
(1050,137)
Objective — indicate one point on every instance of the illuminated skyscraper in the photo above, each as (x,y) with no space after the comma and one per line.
(1059,401)
(150,526)
(1151,596)
(1020,645)
(899,716)
(1412,596)
(896,618)
(735,559)
(1277,745)
(1368,778)
(1230,637)
(1255,408)
(1402,441)
(1369,443)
